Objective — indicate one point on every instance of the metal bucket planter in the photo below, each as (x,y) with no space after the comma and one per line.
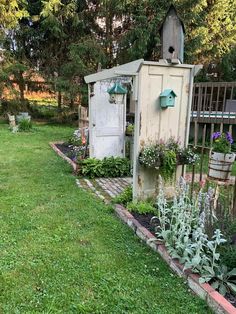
(23,116)
(220,165)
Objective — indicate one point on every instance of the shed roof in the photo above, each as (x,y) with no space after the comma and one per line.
(131,69)
(128,69)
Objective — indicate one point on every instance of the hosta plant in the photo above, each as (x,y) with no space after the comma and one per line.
(107,167)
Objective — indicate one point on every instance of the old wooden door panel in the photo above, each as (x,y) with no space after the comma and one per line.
(107,124)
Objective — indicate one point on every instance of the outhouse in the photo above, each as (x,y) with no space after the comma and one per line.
(161,94)
(147,81)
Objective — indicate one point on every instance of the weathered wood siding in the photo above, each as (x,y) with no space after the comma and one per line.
(154,123)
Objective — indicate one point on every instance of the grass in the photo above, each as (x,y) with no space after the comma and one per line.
(64,251)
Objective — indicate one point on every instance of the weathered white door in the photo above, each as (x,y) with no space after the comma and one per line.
(106,124)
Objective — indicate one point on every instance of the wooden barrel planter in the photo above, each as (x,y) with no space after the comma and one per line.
(220,165)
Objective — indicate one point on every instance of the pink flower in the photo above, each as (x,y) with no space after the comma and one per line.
(202,183)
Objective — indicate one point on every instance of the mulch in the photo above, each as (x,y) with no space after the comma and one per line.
(67,150)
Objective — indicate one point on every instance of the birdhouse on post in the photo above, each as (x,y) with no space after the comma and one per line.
(172,37)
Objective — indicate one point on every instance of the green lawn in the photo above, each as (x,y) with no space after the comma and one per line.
(63,251)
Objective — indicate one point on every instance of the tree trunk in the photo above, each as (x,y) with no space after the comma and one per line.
(72,103)
(59,101)
(21,88)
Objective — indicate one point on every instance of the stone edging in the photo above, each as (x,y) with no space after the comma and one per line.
(60,153)
(214,299)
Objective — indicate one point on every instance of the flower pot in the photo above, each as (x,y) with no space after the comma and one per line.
(22,117)
(220,165)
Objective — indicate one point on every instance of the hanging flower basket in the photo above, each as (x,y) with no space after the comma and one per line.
(221,158)
(166,156)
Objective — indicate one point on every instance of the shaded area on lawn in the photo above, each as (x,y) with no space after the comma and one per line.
(64,251)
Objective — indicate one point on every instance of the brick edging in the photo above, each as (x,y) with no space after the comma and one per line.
(214,299)
(61,154)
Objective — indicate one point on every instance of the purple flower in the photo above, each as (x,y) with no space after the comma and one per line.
(216,135)
(229,138)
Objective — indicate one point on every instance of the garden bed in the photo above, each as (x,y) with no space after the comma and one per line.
(141,225)
(66,150)
(58,148)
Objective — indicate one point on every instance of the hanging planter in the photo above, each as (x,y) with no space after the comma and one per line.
(166,156)
(221,158)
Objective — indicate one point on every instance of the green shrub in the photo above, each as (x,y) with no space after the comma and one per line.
(107,167)
(141,207)
(125,197)
(228,256)
(25,125)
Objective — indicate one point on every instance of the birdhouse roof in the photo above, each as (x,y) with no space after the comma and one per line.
(168,92)
(117,88)
(172,8)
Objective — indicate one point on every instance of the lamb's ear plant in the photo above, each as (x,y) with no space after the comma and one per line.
(222,279)
(182,228)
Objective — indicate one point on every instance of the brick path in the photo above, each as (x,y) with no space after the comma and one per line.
(105,188)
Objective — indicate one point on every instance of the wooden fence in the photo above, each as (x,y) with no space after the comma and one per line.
(213,109)
(83,120)
(214,102)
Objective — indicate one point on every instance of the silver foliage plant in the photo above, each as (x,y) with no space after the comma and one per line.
(182,228)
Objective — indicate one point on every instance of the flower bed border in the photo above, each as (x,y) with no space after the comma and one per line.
(213,298)
(61,154)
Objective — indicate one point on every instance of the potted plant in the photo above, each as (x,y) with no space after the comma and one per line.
(129,129)
(221,158)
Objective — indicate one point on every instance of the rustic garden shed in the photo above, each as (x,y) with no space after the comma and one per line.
(152,122)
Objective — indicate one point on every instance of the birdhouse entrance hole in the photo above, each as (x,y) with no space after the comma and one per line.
(171,49)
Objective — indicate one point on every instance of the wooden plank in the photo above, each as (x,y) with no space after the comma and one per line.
(224,98)
(195,133)
(212,131)
(202,151)
(217,99)
(204,100)
(199,101)
(232,93)
(234,203)
(221,127)
(192,182)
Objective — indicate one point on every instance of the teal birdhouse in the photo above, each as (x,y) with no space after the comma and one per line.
(167,98)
